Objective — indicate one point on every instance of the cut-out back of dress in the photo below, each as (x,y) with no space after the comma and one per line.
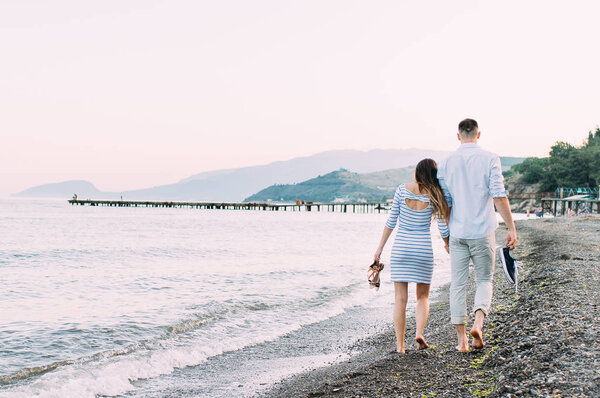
(421,204)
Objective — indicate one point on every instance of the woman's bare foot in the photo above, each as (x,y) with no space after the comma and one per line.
(478,343)
(422,343)
(400,349)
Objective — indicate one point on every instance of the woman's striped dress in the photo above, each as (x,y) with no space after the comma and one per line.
(412,254)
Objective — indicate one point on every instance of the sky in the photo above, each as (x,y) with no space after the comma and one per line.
(132,94)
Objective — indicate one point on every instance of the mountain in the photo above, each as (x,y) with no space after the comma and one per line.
(372,187)
(323,189)
(233,185)
(388,180)
(301,168)
(375,186)
(84,189)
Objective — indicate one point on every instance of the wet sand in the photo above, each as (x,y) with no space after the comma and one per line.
(542,341)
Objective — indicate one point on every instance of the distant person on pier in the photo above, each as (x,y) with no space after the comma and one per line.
(473,180)
(413,207)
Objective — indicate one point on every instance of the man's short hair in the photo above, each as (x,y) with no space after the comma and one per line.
(468,128)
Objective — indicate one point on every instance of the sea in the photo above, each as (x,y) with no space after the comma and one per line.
(146,302)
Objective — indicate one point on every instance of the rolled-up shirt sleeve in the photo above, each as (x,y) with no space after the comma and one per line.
(394,211)
(496,184)
(440,177)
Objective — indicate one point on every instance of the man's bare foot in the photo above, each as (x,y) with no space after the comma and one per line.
(478,343)
(422,343)
(463,343)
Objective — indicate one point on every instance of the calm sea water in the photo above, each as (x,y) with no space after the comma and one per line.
(131,301)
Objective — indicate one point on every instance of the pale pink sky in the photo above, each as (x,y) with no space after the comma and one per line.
(130,94)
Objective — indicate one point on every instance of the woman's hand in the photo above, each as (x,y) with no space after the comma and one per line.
(377,255)
(447,247)
(384,238)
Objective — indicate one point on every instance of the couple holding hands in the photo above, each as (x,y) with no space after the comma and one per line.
(461,192)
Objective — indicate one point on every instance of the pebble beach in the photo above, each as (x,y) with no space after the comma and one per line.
(543,340)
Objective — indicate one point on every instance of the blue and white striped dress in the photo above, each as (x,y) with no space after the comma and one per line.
(412,254)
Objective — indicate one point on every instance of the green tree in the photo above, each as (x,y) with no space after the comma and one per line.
(594,164)
(567,165)
(561,150)
(593,138)
(533,170)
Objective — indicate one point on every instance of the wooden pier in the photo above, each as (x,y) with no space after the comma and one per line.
(326,207)
(561,207)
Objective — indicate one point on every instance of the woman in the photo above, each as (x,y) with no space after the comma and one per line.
(412,256)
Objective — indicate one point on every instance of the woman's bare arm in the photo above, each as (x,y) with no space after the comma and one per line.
(384,237)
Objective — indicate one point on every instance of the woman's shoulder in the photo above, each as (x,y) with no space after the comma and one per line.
(411,187)
(401,189)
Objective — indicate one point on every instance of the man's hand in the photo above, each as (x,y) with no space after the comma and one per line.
(503,207)
(511,239)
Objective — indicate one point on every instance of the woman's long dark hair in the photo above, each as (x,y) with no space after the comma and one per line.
(426,178)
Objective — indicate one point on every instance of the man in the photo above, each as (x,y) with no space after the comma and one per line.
(473,182)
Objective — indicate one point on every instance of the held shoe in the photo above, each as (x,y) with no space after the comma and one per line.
(373,275)
(510,266)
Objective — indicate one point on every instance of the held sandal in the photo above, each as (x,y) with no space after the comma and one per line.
(373,274)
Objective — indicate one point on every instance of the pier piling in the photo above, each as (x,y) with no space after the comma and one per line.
(307,207)
(560,206)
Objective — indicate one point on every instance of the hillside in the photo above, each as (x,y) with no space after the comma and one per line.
(372,187)
(66,189)
(321,189)
(388,180)
(375,186)
(233,185)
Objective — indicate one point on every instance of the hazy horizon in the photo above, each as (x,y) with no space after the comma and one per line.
(135,94)
(216,170)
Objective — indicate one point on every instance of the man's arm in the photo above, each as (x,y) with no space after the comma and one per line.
(503,207)
(500,195)
(440,176)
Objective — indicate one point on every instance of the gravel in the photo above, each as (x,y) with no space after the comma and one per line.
(542,341)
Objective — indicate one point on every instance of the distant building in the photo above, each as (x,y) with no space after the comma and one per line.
(343,199)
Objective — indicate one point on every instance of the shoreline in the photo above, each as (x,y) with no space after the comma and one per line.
(538,342)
